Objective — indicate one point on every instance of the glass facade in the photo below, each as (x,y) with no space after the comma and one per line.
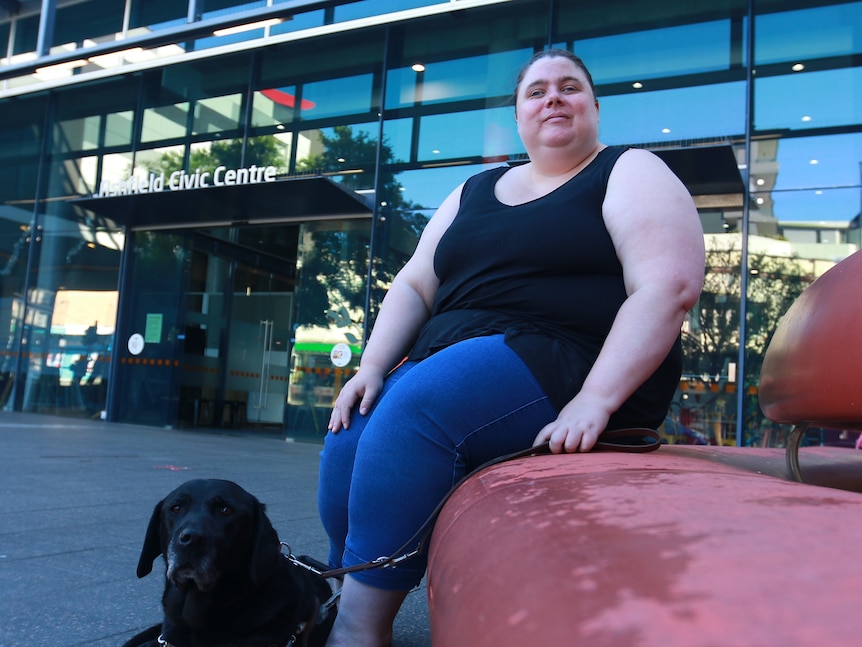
(217,278)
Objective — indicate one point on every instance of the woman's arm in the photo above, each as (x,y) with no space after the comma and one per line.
(405,309)
(659,241)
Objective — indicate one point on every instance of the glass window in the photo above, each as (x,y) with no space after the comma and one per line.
(365,8)
(165,122)
(77,134)
(217,114)
(155,14)
(95,115)
(341,78)
(90,20)
(165,160)
(817,162)
(347,153)
(211,89)
(5,30)
(791,36)
(270,150)
(336,97)
(72,306)
(474,77)
(504,28)
(804,100)
(20,134)
(116,167)
(425,189)
(118,128)
(839,206)
(672,51)
(26,34)
(298,22)
(275,107)
(213,8)
(673,115)
(477,133)
(398,134)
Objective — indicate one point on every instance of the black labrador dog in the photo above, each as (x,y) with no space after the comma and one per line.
(227,583)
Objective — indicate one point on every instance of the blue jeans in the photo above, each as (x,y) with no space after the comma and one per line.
(434,422)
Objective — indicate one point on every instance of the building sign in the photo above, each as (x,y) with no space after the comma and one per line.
(182,180)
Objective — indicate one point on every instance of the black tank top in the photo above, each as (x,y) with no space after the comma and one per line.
(546,275)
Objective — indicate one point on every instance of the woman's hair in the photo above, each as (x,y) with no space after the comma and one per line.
(553,53)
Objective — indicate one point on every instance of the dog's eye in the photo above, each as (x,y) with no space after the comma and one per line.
(225,511)
(176,508)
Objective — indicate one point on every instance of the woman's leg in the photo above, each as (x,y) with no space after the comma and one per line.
(336,472)
(365,615)
(452,412)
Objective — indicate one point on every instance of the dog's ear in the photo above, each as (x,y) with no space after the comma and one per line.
(265,546)
(152,543)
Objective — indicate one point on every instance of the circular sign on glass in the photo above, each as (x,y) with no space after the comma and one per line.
(340,354)
(136,344)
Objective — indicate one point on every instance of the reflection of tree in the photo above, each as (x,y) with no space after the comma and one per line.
(712,342)
(157,260)
(335,256)
(262,151)
(335,264)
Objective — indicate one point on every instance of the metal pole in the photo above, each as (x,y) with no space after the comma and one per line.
(46,27)
(743,269)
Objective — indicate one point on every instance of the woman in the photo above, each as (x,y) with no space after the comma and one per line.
(543,303)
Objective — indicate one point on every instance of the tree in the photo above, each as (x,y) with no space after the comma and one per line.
(335,264)
(712,342)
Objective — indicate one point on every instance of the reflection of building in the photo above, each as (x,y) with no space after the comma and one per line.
(258,170)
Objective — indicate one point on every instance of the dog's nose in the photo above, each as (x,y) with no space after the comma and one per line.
(188,537)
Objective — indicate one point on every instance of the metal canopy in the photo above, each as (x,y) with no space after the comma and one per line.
(705,170)
(294,199)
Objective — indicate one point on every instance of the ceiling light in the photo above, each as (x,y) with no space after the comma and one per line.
(806,118)
(798,67)
(237,29)
(665,130)
(814,162)
(417,67)
(760,181)
(62,67)
(637,85)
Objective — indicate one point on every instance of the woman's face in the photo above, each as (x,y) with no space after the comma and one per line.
(555,106)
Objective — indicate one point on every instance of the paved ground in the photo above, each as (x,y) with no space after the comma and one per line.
(75,499)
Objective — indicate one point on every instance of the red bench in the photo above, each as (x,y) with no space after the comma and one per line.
(812,370)
(682,547)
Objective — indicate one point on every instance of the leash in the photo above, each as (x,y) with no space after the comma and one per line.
(630,440)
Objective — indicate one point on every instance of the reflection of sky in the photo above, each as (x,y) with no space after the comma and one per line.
(809,100)
(643,117)
(636,56)
(818,178)
(825,161)
(839,205)
(429,187)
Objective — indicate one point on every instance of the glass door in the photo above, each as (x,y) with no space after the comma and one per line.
(238,327)
(258,353)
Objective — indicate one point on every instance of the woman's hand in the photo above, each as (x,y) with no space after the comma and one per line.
(576,428)
(364,387)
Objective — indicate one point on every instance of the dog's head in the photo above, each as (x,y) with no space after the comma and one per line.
(210,531)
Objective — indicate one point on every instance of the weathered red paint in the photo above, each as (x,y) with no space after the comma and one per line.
(686,546)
